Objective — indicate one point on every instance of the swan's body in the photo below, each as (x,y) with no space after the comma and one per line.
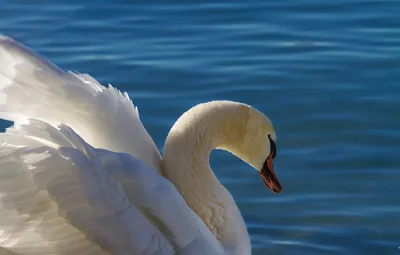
(79,174)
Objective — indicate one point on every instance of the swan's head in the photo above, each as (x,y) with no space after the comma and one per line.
(235,127)
(257,145)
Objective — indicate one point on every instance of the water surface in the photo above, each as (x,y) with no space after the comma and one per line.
(326,73)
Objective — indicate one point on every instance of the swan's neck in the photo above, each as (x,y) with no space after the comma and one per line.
(219,124)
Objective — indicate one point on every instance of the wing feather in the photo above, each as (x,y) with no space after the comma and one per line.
(162,203)
(61,199)
(32,87)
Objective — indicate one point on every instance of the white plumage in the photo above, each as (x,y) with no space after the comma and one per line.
(79,173)
(31,87)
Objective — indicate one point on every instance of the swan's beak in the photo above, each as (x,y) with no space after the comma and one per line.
(268,176)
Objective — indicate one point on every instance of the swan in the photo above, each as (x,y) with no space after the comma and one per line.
(79,173)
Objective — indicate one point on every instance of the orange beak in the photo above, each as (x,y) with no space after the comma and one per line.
(268,176)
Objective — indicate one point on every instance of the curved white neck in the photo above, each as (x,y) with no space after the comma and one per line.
(219,124)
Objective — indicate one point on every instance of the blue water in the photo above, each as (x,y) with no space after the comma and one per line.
(326,72)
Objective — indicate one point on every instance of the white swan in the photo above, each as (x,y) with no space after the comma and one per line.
(61,194)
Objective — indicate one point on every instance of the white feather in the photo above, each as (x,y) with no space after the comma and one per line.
(59,195)
(56,199)
(32,87)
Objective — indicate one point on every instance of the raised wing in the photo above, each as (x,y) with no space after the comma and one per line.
(31,87)
(56,197)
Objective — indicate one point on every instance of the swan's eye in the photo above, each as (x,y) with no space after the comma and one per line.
(273,147)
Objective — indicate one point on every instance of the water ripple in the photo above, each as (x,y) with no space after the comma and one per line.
(326,73)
